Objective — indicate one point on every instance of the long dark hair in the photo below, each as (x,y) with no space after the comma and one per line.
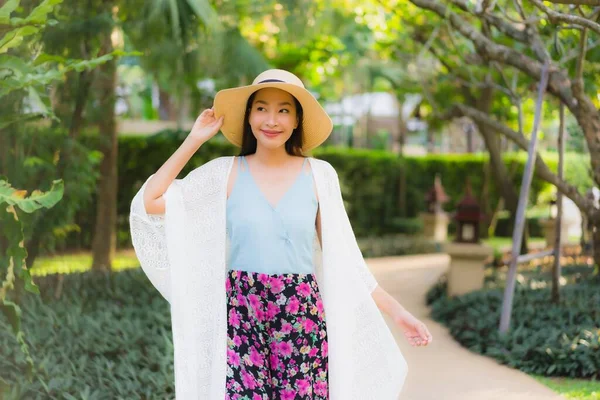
(293,146)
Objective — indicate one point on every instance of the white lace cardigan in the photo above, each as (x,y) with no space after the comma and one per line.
(184,254)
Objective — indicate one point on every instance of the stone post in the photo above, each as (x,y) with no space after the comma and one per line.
(435,225)
(467,266)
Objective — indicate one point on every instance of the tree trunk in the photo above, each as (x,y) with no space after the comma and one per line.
(166,110)
(470,148)
(502,178)
(596,241)
(104,242)
(556,267)
(83,88)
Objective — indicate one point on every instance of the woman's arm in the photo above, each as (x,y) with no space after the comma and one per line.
(205,127)
(415,331)
(160,181)
(386,303)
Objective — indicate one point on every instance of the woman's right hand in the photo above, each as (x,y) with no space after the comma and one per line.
(205,127)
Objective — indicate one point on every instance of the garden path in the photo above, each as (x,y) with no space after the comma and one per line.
(444,370)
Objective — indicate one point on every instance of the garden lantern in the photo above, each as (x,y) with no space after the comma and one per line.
(468,217)
(436,196)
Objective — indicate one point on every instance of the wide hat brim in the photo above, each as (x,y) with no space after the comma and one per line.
(231,103)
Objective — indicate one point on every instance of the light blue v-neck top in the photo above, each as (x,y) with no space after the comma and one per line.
(271,239)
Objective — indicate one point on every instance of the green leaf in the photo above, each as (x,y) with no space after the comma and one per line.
(15,37)
(40,13)
(43,58)
(13,119)
(16,65)
(36,102)
(205,12)
(34,202)
(30,286)
(6,10)
(12,312)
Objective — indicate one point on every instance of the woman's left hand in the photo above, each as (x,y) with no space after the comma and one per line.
(414,330)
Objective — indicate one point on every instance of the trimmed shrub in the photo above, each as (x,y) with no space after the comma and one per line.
(370,180)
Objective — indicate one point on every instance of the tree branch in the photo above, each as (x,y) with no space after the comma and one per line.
(528,35)
(574,53)
(581,60)
(559,84)
(577,2)
(555,16)
(542,170)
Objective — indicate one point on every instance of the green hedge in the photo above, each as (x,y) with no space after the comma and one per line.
(370,179)
(504,228)
(396,245)
(545,339)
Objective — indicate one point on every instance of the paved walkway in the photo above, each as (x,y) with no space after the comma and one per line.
(444,370)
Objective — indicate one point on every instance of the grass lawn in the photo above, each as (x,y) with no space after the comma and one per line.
(572,389)
(505,243)
(80,262)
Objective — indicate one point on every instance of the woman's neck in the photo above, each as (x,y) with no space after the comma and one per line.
(271,157)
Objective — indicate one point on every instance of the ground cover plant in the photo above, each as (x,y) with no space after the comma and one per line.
(107,337)
(554,340)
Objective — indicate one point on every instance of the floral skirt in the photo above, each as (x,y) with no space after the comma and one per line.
(276,337)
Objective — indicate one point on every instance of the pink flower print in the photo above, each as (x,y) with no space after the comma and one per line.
(248,380)
(308,325)
(276,285)
(303,289)
(303,386)
(263,278)
(324,349)
(257,396)
(261,315)
(234,318)
(287,394)
(286,327)
(285,349)
(313,352)
(274,361)
(293,305)
(254,301)
(321,388)
(227,285)
(256,358)
(320,306)
(237,340)
(233,357)
(241,299)
(272,310)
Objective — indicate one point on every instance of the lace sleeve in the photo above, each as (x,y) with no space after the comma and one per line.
(149,240)
(348,233)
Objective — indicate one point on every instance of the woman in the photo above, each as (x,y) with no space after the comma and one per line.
(278,322)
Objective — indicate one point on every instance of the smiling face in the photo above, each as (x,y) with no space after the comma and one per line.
(273,117)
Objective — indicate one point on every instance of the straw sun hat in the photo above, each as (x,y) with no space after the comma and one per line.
(232,104)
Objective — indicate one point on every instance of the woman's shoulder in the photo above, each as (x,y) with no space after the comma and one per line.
(215,163)
(323,166)
(214,167)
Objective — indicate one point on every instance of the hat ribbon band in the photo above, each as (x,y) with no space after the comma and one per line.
(271,80)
